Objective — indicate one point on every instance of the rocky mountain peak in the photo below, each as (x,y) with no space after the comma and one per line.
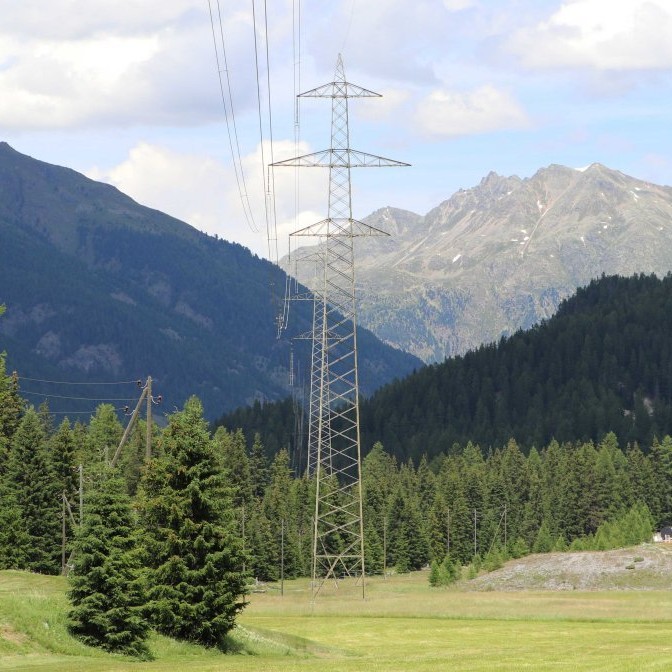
(502,255)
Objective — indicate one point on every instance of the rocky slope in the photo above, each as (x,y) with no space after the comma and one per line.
(502,255)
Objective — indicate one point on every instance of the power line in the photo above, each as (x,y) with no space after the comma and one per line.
(67,382)
(231,127)
(273,240)
(48,395)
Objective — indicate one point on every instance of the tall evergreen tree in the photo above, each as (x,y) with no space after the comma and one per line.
(105,432)
(279,511)
(106,588)
(232,451)
(11,408)
(35,487)
(258,467)
(196,582)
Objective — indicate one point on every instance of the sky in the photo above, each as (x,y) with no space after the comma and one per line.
(182,103)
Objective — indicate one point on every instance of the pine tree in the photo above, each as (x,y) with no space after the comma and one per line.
(35,489)
(278,509)
(63,452)
(106,589)
(14,540)
(263,563)
(196,581)
(105,432)
(258,467)
(232,452)
(11,407)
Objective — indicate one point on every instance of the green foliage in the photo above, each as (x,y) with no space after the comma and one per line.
(629,528)
(195,582)
(105,432)
(544,541)
(11,407)
(106,589)
(444,573)
(35,490)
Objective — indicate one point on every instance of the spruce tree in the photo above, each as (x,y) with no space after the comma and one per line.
(11,407)
(106,587)
(14,541)
(263,564)
(196,581)
(35,488)
(104,435)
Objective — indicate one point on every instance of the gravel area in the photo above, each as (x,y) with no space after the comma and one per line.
(644,567)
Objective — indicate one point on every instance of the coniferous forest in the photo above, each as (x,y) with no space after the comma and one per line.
(187,530)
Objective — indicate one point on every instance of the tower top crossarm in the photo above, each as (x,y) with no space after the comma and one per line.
(339,88)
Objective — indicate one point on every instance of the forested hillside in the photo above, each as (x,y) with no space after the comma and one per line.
(602,364)
(99,288)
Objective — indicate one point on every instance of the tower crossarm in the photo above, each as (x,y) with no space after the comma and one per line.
(348,228)
(340,158)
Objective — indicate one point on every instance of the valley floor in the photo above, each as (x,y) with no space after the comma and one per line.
(607,611)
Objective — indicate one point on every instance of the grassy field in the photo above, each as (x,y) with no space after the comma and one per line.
(402,625)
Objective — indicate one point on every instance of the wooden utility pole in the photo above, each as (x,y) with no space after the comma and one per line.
(146,395)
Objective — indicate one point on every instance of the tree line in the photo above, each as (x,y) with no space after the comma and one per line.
(466,502)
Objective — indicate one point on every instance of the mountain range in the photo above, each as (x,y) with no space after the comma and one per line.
(502,255)
(99,288)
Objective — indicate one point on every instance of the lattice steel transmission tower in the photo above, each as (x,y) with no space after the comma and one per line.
(334,437)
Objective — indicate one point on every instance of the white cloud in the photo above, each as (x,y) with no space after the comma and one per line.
(600,34)
(377,109)
(446,113)
(203,191)
(111,63)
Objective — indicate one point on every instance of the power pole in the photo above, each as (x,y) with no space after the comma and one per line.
(145,395)
(334,435)
(148,436)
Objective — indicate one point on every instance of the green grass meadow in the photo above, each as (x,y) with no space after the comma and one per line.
(402,624)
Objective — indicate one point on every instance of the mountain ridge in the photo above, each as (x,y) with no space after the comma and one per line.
(502,255)
(99,287)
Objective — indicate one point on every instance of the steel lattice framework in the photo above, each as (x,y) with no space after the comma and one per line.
(334,451)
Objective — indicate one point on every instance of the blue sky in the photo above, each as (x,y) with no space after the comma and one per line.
(127,91)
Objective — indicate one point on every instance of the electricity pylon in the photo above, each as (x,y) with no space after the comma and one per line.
(334,436)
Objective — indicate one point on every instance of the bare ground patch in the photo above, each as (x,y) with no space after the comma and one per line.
(644,567)
(9,634)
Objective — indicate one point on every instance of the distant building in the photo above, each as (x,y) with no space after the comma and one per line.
(664,536)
